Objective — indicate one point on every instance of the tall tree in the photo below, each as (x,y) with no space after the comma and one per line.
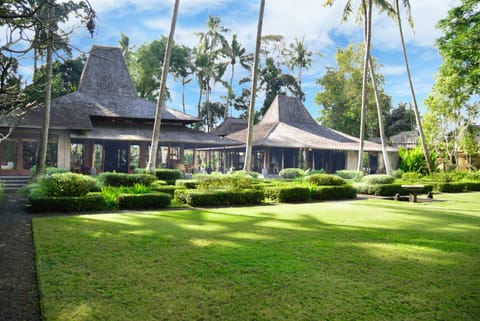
(152,159)
(274,83)
(236,54)
(253,91)
(340,96)
(406,5)
(42,158)
(210,50)
(299,58)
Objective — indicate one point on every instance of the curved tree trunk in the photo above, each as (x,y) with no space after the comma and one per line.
(386,160)
(152,159)
(253,92)
(367,22)
(412,91)
(42,154)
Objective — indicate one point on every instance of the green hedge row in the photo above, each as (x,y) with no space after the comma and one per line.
(387,189)
(327,193)
(187,183)
(169,189)
(219,197)
(325,180)
(124,179)
(288,194)
(143,201)
(165,174)
(86,203)
(458,187)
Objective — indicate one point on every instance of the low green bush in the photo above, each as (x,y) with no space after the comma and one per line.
(451,187)
(187,183)
(168,175)
(221,181)
(291,173)
(314,171)
(124,179)
(67,184)
(87,203)
(472,176)
(219,197)
(324,180)
(326,193)
(350,174)
(169,189)
(472,186)
(288,194)
(411,176)
(49,170)
(378,179)
(143,201)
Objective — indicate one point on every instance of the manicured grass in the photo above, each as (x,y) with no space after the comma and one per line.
(353,260)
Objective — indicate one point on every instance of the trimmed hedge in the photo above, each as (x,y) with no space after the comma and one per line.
(124,179)
(219,197)
(86,203)
(387,189)
(288,194)
(168,175)
(451,187)
(350,174)
(67,184)
(220,181)
(472,186)
(378,179)
(143,201)
(291,173)
(326,193)
(187,183)
(169,189)
(325,180)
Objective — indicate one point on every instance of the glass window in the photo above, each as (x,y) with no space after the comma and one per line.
(97,156)
(29,154)
(9,154)
(76,157)
(134,156)
(52,151)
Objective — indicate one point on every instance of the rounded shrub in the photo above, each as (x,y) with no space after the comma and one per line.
(350,174)
(324,180)
(378,179)
(68,184)
(291,173)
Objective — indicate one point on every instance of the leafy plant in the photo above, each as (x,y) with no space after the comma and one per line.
(68,184)
(291,173)
(413,160)
(378,179)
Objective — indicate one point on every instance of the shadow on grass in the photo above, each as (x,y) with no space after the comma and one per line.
(367,260)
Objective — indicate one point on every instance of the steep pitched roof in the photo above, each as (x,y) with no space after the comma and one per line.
(105,90)
(229,126)
(287,123)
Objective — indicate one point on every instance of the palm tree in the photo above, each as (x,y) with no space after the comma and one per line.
(210,47)
(253,91)
(236,53)
(300,57)
(152,159)
(406,5)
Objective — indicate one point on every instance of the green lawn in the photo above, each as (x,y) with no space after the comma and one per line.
(353,260)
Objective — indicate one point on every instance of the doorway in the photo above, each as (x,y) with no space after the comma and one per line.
(116,157)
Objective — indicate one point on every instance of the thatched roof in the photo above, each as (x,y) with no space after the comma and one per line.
(405,139)
(105,90)
(287,123)
(169,134)
(229,126)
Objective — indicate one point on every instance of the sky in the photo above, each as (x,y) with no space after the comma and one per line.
(146,20)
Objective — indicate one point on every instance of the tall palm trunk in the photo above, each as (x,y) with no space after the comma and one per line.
(253,91)
(368,26)
(412,91)
(42,154)
(152,160)
(386,160)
